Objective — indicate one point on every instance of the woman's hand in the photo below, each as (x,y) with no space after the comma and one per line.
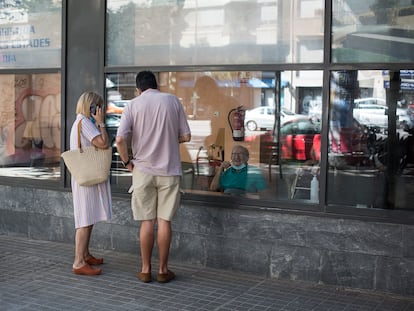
(99,116)
(100,141)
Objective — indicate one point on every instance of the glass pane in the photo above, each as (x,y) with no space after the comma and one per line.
(371,139)
(214,32)
(372,31)
(30,126)
(30,33)
(297,176)
(212,101)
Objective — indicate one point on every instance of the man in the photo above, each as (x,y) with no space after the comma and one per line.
(157,124)
(238,177)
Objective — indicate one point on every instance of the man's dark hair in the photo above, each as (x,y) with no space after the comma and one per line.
(146,80)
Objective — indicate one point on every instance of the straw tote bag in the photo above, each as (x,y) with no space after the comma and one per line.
(88,165)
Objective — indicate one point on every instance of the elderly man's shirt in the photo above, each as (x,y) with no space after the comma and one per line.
(248,179)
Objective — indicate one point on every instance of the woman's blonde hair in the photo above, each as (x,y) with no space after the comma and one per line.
(85,102)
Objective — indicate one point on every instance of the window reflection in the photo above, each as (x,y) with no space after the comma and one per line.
(371,138)
(30,126)
(288,121)
(372,31)
(299,135)
(211,33)
(30,34)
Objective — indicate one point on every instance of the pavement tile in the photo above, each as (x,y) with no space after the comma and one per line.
(37,275)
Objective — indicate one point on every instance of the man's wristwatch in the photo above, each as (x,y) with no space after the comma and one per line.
(126,163)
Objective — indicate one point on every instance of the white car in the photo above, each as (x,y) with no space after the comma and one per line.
(373,111)
(264,117)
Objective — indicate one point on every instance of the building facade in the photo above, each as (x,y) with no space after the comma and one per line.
(326,91)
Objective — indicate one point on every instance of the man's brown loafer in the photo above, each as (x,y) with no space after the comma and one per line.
(86,270)
(90,260)
(144,277)
(165,277)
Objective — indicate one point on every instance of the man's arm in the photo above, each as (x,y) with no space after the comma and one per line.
(215,183)
(184,138)
(122,146)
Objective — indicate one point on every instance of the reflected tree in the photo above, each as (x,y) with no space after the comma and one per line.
(120,42)
(40,5)
(385,11)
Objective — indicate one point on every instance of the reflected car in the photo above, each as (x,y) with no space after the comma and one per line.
(374,112)
(264,118)
(301,140)
(116,106)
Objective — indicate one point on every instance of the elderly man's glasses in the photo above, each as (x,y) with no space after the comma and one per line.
(238,154)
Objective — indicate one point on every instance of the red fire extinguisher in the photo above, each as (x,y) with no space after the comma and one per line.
(236,122)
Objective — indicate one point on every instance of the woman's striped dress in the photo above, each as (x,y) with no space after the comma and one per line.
(93,203)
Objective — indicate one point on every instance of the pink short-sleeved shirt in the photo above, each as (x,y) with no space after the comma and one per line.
(155,121)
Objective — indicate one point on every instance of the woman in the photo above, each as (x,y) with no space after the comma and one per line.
(91,204)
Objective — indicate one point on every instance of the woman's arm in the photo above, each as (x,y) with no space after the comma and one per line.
(100,141)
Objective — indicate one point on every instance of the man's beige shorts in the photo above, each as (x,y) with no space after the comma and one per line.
(154,196)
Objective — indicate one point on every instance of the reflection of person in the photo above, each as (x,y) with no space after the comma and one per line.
(238,177)
(216,107)
(157,124)
(92,203)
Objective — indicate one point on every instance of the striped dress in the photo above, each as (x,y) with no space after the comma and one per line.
(93,203)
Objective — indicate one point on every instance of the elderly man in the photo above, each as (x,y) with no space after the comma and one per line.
(237,176)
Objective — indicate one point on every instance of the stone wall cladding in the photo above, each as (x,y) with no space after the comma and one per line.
(335,251)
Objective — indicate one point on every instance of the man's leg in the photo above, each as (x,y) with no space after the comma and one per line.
(163,241)
(146,237)
(168,202)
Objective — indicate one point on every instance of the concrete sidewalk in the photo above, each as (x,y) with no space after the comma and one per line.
(37,275)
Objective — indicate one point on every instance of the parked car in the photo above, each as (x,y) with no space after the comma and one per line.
(116,106)
(286,115)
(300,140)
(264,117)
(374,112)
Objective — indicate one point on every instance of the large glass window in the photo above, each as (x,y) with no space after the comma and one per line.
(371,146)
(190,32)
(370,131)
(30,128)
(282,131)
(370,128)
(30,34)
(30,104)
(372,31)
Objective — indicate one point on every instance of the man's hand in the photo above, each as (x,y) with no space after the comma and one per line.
(184,138)
(225,164)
